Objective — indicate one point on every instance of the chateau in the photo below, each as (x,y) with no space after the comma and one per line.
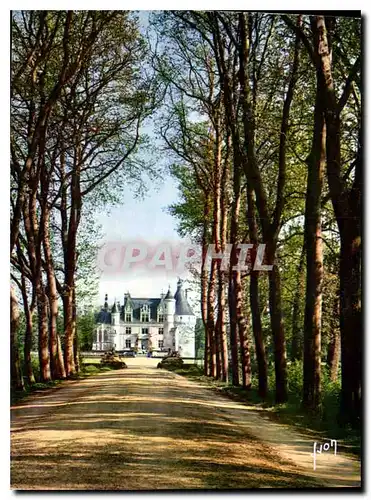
(156,324)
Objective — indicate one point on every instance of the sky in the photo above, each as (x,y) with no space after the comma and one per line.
(137,220)
(141,219)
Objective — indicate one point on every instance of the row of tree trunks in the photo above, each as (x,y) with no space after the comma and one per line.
(270,229)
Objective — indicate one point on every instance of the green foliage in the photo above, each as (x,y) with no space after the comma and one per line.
(85,328)
(199,339)
(295,377)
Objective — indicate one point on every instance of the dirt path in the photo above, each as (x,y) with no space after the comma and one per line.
(143,428)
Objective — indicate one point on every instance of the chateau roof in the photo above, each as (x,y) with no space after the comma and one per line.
(103,317)
(182,307)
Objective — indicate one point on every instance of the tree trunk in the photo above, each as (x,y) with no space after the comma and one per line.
(278,330)
(56,360)
(69,359)
(261,356)
(44,356)
(297,345)
(15,367)
(242,331)
(233,330)
(204,276)
(28,311)
(222,326)
(333,350)
(76,345)
(211,318)
(237,327)
(313,244)
(223,277)
(350,324)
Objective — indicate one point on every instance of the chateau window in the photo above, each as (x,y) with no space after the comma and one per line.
(144,331)
(128,317)
(128,330)
(160,318)
(161,331)
(160,344)
(105,335)
(145,314)
(128,343)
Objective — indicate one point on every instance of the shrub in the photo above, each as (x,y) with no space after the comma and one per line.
(295,377)
(171,363)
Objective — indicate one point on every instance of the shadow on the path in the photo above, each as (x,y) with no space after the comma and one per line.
(139,429)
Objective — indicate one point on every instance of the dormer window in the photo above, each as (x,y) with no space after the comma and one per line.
(160,314)
(128,316)
(144,313)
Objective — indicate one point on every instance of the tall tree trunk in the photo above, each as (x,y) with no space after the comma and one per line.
(297,345)
(15,367)
(56,359)
(204,277)
(313,244)
(233,331)
(76,345)
(69,358)
(351,324)
(29,312)
(222,326)
(242,331)
(211,318)
(333,350)
(237,327)
(69,234)
(223,277)
(217,174)
(277,326)
(261,356)
(44,356)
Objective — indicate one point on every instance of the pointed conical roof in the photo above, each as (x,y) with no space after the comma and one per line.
(128,303)
(169,295)
(182,308)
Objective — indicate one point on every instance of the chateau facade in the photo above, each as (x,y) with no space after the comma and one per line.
(156,324)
